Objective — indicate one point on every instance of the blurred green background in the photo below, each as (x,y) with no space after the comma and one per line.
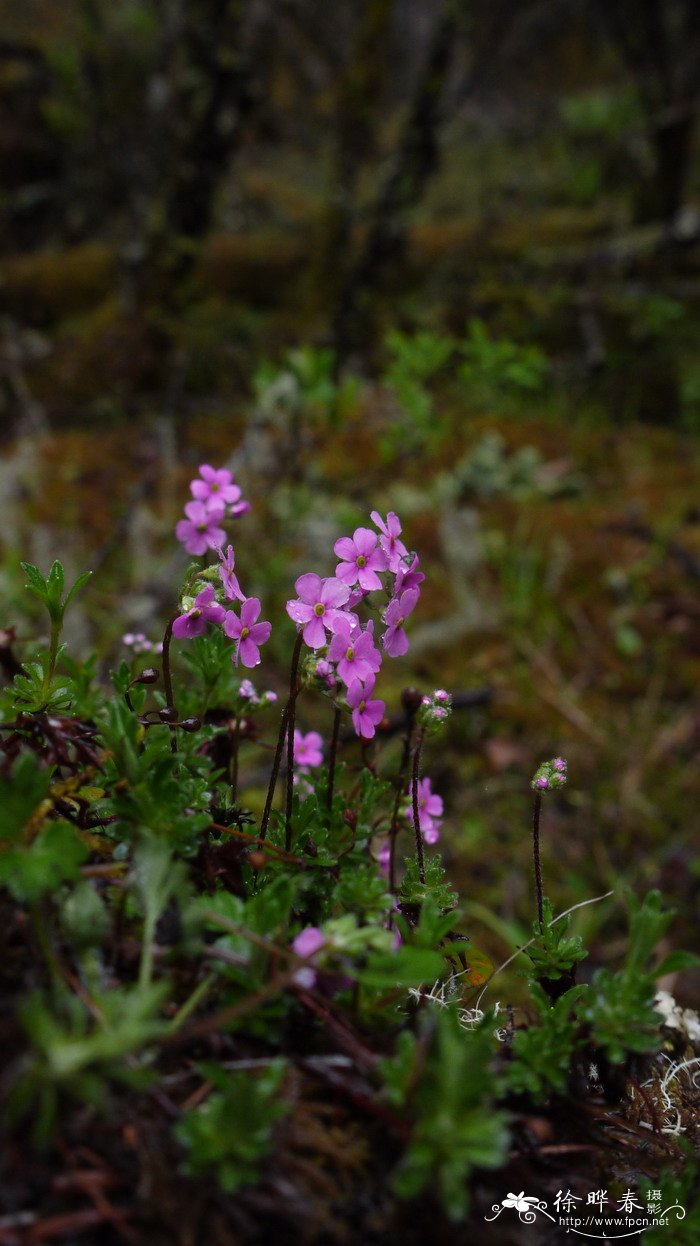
(435,256)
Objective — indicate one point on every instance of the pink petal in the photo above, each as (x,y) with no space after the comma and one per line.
(250,611)
(248,652)
(232,625)
(345,549)
(260,632)
(309,587)
(299,611)
(346,571)
(315,633)
(365,541)
(334,592)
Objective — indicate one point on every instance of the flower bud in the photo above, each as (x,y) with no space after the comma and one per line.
(550,775)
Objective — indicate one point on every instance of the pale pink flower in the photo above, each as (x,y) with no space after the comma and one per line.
(361,559)
(249,633)
(318,606)
(389,541)
(205,610)
(200,531)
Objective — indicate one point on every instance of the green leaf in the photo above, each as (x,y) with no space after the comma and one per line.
(81,580)
(408,966)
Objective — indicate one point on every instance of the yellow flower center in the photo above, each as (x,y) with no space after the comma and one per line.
(319,609)
(361,706)
(349,653)
(245,631)
(202,527)
(195,614)
(361,561)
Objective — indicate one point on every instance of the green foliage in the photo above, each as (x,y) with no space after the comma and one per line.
(554,952)
(85,916)
(75,1055)
(619,1010)
(435,887)
(31,870)
(49,590)
(491,470)
(456,1125)
(231,1132)
(153,788)
(304,388)
(496,368)
(543,1053)
(36,854)
(414,360)
(37,689)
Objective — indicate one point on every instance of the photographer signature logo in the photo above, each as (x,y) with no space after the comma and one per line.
(612,1217)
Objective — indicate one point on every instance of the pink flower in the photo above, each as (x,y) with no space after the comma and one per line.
(366,714)
(408,577)
(318,606)
(354,651)
(361,559)
(310,941)
(308,749)
(395,640)
(247,632)
(384,857)
(394,549)
(229,579)
(216,485)
(430,808)
(199,531)
(137,642)
(307,944)
(205,610)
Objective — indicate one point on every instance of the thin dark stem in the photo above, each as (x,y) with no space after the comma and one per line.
(293,693)
(394,827)
(233,763)
(536,854)
(277,761)
(167,678)
(416,815)
(280,739)
(332,757)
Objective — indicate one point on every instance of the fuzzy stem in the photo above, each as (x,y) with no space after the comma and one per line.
(280,739)
(149,933)
(332,757)
(41,933)
(233,763)
(394,827)
(274,773)
(167,678)
(192,1002)
(56,626)
(416,815)
(536,854)
(293,693)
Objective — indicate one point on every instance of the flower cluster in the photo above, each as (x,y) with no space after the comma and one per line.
(252,699)
(139,643)
(325,611)
(215,496)
(430,810)
(550,775)
(214,493)
(308,752)
(434,710)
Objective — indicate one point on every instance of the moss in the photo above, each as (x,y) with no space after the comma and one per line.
(253,267)
(49,285)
